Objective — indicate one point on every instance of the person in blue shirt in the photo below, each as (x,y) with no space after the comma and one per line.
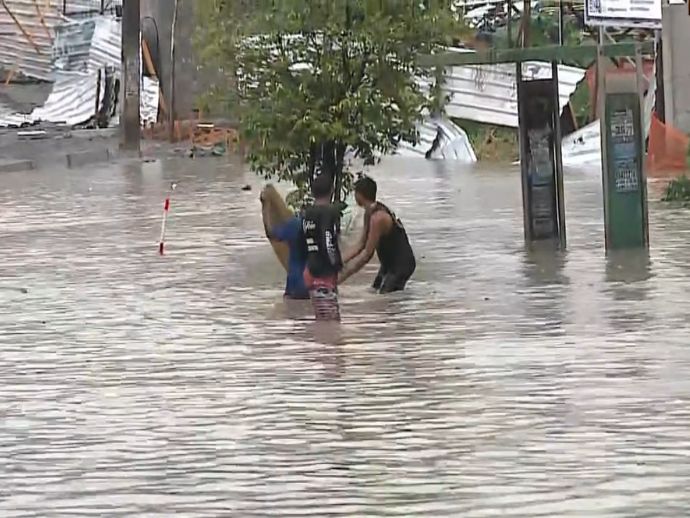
(290,232)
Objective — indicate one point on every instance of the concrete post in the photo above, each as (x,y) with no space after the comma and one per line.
(130,122)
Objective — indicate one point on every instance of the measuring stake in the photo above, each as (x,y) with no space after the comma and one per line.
(166,209)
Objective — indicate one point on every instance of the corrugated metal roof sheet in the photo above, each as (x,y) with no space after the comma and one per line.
(488,93)
(72,101)
(107,44)
(148,105)
(454,143)
(33,54)
(88,44)
(83,48)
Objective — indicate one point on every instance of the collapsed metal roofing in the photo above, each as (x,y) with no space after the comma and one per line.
(80,55)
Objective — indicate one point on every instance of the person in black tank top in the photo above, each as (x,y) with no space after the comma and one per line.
(321,227)
(384,234)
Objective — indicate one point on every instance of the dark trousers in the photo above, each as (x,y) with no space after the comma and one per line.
(387,281)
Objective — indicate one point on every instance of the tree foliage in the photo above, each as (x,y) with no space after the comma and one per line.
(678,189)
(313,79)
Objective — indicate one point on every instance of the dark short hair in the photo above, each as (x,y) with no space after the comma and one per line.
(322,186)
(366,187)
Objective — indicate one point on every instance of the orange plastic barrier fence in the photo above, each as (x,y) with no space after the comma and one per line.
(668,150)
(196,133)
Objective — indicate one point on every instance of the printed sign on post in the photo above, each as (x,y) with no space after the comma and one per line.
(624,13)
(622,135)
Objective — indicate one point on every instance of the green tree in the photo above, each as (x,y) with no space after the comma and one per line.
(314,78)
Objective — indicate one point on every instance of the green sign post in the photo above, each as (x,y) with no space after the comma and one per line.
(625,188)
(623,175)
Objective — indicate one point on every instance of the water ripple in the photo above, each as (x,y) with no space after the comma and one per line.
(504,382)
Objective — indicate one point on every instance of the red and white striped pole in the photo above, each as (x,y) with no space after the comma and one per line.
(166,209)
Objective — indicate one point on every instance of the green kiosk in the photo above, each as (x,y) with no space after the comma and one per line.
(623,174)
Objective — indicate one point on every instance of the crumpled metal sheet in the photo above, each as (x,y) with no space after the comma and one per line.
(453,142)
(148,109)
(73,102)
(82,48)
(488,93)
(89,44)
(37,55)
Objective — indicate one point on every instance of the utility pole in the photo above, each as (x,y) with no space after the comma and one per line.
(173,34)
(130,125)
(561,26)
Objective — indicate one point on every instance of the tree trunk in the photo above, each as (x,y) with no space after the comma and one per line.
(339,171)
(329,158)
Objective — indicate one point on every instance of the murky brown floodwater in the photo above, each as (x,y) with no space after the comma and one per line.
(502,383)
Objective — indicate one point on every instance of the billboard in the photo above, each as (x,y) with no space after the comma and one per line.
(624,13)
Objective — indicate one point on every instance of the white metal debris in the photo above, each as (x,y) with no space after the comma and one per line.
(583,148)
(488,93)
(453,142)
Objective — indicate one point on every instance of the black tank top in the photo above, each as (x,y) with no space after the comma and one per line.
(394,250)
(321,226)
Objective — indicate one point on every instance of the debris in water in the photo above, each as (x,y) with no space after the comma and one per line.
(12,288)
(247,188)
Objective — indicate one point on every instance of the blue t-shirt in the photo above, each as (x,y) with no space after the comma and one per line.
(290,232)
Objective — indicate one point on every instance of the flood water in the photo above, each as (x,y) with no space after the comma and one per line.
(501,383)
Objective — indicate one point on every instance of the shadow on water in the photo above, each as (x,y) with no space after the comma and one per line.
(546,287)
(543,264)
(628,273)
(628,267)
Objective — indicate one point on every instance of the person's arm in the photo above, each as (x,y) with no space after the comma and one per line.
(375,231)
